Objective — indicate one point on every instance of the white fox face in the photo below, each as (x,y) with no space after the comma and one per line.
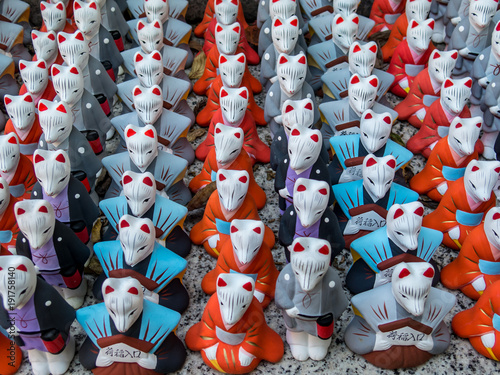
(9,153)
(68,83)
(24,277)
(149,68)
(297,112)
(375,130)
(226,11)
(411,284)
(464,133)
(231,69)
(36,220)
(74,49)
(378,174)
(481,12)
(4,195)
(480,178)
(404,222)
(228,142)
(227,37)
(441,64)
(304,147)
(137,238)
(455,93)
(282,8)
(232,187)
(140,191)
(291,72)
(148,103)
(247,237)
(35,75)
(55,120)
(124,299)
(45,45)
(345,30)
(235,294)
(310,200)
(362,93)
(156,10)
(492,226)
(345,7)
(150,36)
(495,41)
(310,259)
(142,144)
(21,110)
(233,104)
(53,15)
(419,35)
(418,9)
(87,18)
(362,58)
(52,170)
(285,33)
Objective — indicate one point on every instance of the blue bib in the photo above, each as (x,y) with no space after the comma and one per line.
(468,218)
(496,322)
(223,226)
(489,268)
(252,275)
(5,236)
(452,174)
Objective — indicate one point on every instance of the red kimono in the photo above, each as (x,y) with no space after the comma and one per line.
(259,340)
(242,163)
(398,34)
(479,320)
(460,273)
(199,31)
(210,73)
(444,217)
(428,133)
(31,140)
(252,56)
(205,115)
(255,148)
(380,9)
(414,101)
(8,223)
(68,28)
(48,94)
(402,56)
(24,178)
(207,227)
(427,180)
(262,266)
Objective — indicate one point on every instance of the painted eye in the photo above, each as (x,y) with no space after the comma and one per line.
(399,233)
(474,186)
(46,230)
(146,200)
(458,141)
(371,181)
(404,296)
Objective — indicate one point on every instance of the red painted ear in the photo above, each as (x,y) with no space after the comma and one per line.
(404,272)
(399,212)
(324,250)
(222,177)
(60,158)
(237,135)
(498,27)
(295,132)
(55,71)
(157,25)
(223,60)
(244,94)
(371,162)
(13,140)
(79,36)
(42,7)
(41,65)
(355,20)
(303,60)
(241,59)
(374,82)
(38,158)
(124,224)
(431,24)
(388,120)
(234,229)
(218,2)
(22,267)
(294,22)
(1,186)
(20,211)
(22,66)
(414,24)
(73,70)
(157,91)
(42,107)
(108,290)
(474,169)
(7,101)
(277,23)
(478,124)
(354,80)
(221,282)
(368,116)
(243,179)
(33,35)
(93,5)
(459,125)
(157,56)
(61,38)
(217,131)
(323,191)
(52,37)
(392,163)
(436,55)
(257,230)
(468,83)
(218,29)
(127,179)
(288,108)
(140,25)
(301,188)
(61,108)
(309,106)
(454,56)
(283,60)
(429,272)
(235,2)
(223,93)
(60,6)
(149,133)
(130,133)
(315,138)
(133,290)
(43,210)
(497,170)
(419,211)
(145,228)
(147,181)
(137,91)
(248,287)
(138,57)
(339,20)
(236,29)
(373,48)
(448,83)
(356,48)
(496,216)
(298,248)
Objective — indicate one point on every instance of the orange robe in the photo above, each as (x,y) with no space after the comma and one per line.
(242,163)
(210,73)
(199,31)
(255,148)
(262,266)
(8,222)
(460,273)
(205,115)
(398,34)
(444,217)
(207,226)
(32,138)
(426,181)
(259,340)
(478,321)
(68,28)
(11,356)
(24,175)
(379,9)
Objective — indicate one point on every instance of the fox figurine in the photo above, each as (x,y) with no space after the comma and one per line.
(45,46)
(36,82)
(54,17)
(8,225)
